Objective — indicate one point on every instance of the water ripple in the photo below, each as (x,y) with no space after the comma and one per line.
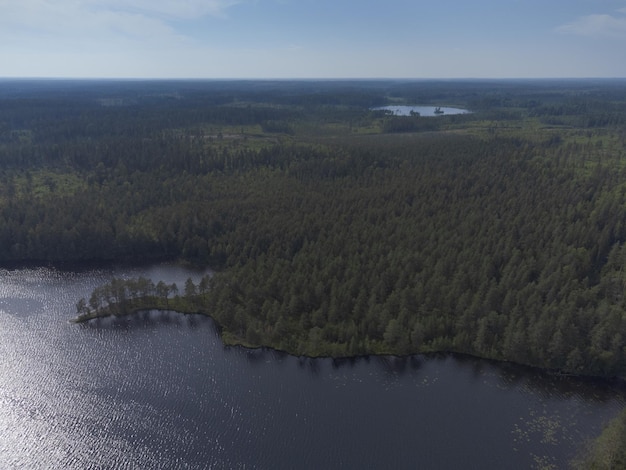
(161,391)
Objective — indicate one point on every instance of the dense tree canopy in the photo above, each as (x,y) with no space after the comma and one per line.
(337,230)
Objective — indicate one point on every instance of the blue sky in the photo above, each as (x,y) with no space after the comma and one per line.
(313,38)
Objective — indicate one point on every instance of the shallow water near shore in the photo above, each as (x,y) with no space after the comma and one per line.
(160,390)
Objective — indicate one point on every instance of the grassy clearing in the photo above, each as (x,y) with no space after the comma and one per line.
(42,184)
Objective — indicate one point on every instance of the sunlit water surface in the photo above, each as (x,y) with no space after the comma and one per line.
(159,390)
(404,110)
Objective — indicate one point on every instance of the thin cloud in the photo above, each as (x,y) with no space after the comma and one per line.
(93,18)
(598,26)
(179,9)
(107,24)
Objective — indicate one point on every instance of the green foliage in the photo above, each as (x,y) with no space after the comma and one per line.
(607,452)
(337,230)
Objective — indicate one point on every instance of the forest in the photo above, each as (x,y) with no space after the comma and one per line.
(335,229)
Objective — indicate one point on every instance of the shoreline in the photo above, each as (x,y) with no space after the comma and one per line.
(230,339)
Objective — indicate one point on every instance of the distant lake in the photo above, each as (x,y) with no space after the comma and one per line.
(422,110)
(160,390)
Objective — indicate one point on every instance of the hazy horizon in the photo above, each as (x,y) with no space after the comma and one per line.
(314,79)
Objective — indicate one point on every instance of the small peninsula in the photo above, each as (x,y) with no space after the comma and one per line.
(337,228)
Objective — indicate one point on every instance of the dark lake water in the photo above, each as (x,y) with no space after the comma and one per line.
(422,110)
(160,391)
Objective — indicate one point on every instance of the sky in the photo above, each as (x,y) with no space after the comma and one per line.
(312,38)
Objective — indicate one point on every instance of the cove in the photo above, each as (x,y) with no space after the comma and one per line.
(160,390)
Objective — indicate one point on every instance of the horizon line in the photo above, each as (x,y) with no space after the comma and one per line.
(86,78)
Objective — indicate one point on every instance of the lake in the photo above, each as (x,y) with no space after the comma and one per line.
(159,390)
(398,110)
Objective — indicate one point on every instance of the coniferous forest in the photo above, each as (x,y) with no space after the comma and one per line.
(336,228)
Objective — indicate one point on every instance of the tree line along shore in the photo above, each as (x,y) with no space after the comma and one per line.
(336,229)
